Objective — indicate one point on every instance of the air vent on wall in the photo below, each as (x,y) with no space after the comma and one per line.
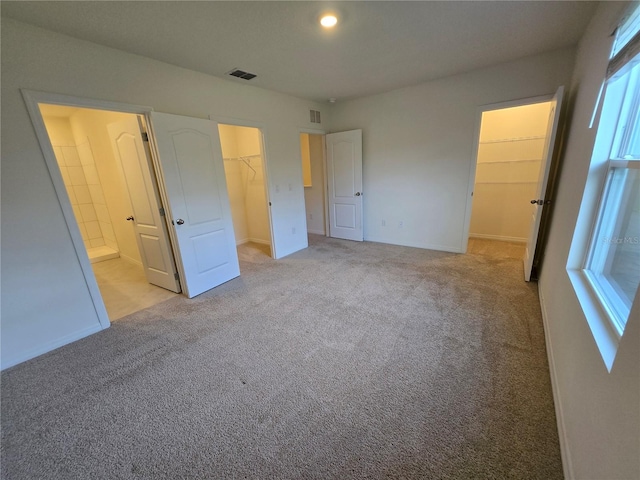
(241,74)
(314,116)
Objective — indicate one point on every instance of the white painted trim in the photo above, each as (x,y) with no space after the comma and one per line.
(73,101)
(313,131)
(476,142)
(565,452)
(31,100)
(260,241)
(425,246)
(36,352)
(501,238)
(316,232)
(131,260)
(252,240)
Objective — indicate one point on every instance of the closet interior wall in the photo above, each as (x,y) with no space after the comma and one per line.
(510,151)
(244,171)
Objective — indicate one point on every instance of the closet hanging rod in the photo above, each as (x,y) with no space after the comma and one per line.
(246,160)
(243,156)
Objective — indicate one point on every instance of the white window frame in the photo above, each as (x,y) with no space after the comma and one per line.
(605,309)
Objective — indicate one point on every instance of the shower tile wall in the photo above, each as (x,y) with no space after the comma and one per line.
(87,199)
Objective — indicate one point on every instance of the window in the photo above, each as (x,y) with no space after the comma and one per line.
(612,265)
(604,261)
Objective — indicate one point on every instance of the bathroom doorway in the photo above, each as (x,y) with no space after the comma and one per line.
(246,174)
(114,205)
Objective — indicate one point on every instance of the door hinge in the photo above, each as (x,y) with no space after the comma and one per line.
(145,136)
(162,212)
(176,276)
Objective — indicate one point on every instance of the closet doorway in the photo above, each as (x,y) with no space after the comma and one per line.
(111,200)
(511,149)
(312,153)
(245,172)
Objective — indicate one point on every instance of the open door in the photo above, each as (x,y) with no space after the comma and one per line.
(148,223)
(344,177)
(192,169)
(539,202)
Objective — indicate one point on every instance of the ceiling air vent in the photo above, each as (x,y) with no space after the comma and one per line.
(241,74)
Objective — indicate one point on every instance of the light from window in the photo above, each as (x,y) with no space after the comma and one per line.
(612,265)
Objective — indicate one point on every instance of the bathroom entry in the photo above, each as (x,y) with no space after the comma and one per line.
(244,166)
(106,169)
(511,149)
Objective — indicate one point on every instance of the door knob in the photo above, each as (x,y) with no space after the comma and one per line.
(358,194)
(180,221)
(130,218)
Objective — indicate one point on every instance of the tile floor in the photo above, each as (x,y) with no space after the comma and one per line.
(125,289)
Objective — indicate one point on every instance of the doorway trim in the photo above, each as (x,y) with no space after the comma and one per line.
(32,98)
(313,131)
(476,145)
(239,122)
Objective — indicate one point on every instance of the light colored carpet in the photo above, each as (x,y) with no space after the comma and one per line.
(345,360)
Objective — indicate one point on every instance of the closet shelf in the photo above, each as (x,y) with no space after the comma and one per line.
(515,139)
(506,183)
(511,161)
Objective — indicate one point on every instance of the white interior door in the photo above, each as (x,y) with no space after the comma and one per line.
(146,214)
(192,170)
(538,203)
(344,176)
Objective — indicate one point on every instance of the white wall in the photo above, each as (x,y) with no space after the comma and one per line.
(418,146)
(599,411)
(510,151)
(314,195)
(47,303)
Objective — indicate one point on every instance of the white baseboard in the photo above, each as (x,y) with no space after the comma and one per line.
(567,465)
(72,337)
(259,240)
(500,238)
(126,258)
(242,241)
(316,232)
(427,246)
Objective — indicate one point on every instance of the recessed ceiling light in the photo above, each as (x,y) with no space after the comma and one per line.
(328,21)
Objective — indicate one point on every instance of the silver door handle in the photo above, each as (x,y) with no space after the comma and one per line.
(358,194)
(180,221)
(130,218)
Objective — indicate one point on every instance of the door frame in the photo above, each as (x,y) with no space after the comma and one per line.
(476,146)
(239,122)
(314,131)
(32,98)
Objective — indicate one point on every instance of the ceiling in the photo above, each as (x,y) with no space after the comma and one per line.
(376,47)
